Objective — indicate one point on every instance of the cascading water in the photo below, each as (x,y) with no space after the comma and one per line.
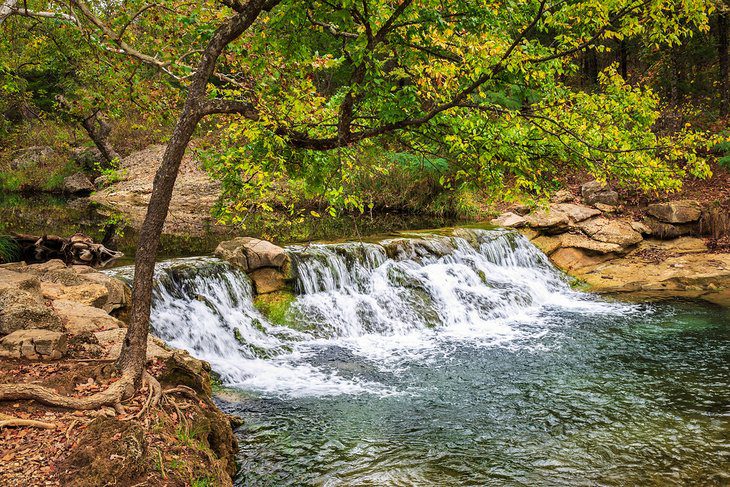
(384,302)
(459,359)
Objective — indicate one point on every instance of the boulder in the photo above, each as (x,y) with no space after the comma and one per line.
(617,232)
(22,309)
(268,280)
(667,231)
(79,318)
(548,220)
(30,157)
(681,211)
(596,192)
(521,209)
(571,258)
(562,196)
(111,342)
(78,184)
(641,228)
(577,213)
(582,242)
(34,344)
(250,253)
(509,219)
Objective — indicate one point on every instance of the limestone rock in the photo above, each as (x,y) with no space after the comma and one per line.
(641,228)
(251,253)
(662,230)
(562,196)
(79,318)
(78,184)
(611,231)
(548,245)
(521,209)
(686,270)
(606,208)
(585,243)
(681,211)
(111,341)
(548,220)
(577,213)
(571,258)
(31,157)
(509,219)
(596,192)
(34,344)
(22,309)
(268,280)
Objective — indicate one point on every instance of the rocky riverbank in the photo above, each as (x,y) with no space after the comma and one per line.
(63,327)
(658,254)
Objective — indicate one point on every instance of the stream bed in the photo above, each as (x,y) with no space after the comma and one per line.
(455,360)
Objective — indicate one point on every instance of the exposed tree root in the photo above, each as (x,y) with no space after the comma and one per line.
(9,421)
(112,396)
(153,396)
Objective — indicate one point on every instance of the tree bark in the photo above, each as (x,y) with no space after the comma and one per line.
(623,60)
(722,54)
(6,9)
(99,130)
(134,349)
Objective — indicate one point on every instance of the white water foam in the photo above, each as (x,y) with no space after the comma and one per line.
(384,305)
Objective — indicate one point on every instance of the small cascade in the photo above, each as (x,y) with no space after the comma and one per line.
(382,302)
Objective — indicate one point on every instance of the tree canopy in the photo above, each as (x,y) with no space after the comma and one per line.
(483,93)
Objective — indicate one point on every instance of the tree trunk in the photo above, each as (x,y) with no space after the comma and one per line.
(590,66)
(623,60)
(722,54)
(133,358)
(134,350)
(98,130)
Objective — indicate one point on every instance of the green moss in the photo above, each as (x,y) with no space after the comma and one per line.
(10,181)
(275,306)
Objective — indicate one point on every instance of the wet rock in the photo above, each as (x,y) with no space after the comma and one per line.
(596,192)
(685,270)
(617,232)
(78,184)
(268,280)
(415,249)
(681,211)
(180,368)
(34,344)
(509,219)
(250,253)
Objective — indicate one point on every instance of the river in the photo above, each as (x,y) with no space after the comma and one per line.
(458,360)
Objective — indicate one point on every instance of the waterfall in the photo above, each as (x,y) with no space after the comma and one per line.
(381,302)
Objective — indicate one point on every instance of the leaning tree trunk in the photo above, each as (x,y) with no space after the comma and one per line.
(134,349)
(99,130)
